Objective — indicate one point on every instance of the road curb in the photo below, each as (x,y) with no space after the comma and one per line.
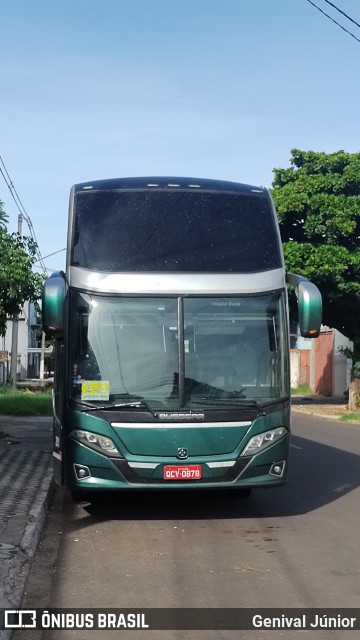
(12,589)
(317,414)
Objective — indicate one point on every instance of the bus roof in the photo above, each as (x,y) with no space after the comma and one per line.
(167,183)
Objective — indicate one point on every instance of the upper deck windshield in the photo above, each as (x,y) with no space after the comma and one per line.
(175,353)
(174,231)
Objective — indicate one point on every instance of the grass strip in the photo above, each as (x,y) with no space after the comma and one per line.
(25,403)
(352,416)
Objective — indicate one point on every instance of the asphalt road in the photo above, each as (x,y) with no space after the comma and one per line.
(296,546)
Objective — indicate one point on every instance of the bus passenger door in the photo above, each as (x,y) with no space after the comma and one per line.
(58,396)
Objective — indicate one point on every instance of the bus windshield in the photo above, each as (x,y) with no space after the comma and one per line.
(176,231)
(173,353)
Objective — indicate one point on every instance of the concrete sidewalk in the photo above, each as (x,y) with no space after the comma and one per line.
(320,406)
(25,485)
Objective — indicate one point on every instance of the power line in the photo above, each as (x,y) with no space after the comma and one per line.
(332,20)
(52,254)
(48,256)
(343,12)
(21,209)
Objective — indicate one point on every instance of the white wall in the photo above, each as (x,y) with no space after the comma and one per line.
(294,369)
(23,340)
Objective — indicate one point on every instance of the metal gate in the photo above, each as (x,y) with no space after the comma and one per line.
(324,347)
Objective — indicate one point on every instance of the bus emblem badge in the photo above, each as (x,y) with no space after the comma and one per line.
(182,453)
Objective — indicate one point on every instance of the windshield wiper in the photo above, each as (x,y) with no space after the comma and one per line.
(249,404)
(224,402)
(136,404)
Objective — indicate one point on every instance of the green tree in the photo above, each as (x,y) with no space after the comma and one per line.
(18,283)
(318,204)
(3,216)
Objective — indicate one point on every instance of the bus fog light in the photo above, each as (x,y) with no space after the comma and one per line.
(277,469)
(81,471)
(97,442)
(263,440)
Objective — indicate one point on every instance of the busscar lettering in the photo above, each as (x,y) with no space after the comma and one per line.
(181,416)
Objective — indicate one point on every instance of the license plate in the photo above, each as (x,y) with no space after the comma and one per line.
(183,472)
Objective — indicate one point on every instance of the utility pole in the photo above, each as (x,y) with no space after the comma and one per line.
(15,332)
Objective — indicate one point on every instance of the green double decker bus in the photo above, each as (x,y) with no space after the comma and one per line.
(172,341)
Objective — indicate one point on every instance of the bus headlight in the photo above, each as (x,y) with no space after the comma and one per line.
(99,443)
(263,440)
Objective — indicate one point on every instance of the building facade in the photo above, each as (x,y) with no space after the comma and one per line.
(28,363)
(321,364)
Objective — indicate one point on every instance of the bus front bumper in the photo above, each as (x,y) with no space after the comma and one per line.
(93,471)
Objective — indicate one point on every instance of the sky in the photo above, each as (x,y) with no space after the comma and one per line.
(94,89)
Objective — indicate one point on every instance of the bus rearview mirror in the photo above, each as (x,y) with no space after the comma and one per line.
(309,305)
(53,300)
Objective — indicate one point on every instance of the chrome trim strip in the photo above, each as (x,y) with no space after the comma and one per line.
(144,465)
(176,283)
(217,465)
(179,425)
(56,455)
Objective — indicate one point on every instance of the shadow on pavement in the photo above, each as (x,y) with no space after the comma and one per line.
(318,400)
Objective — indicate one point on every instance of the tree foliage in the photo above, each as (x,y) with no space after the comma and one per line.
(318,204)
(3,216)
(18,283)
